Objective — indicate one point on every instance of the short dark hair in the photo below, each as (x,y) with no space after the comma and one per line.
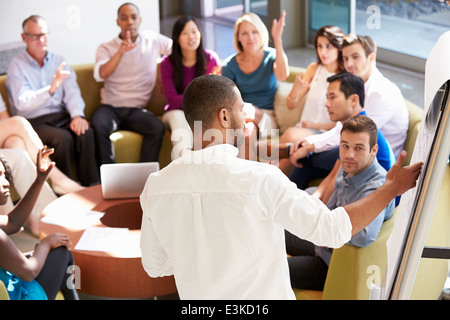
(205,96)
(350,85)
(8,172)
(361,123)
(126,4)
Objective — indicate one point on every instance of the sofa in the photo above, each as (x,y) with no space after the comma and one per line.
(126,143)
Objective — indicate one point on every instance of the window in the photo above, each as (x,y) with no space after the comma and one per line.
(410,27)
(404,29)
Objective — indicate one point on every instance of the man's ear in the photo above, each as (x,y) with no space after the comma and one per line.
(224,118)
(372,57)
(375,150)
(354,100)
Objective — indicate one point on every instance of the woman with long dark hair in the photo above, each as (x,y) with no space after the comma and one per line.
(187,61)
(312,86)
(313,83)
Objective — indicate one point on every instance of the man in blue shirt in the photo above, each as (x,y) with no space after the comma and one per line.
(360,175)
(44,90)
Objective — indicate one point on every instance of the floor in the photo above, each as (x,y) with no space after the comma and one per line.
(218,35)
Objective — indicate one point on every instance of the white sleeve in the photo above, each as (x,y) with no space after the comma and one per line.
(327,140)
(154,259)
(306,216)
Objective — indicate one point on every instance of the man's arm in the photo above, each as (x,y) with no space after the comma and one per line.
(25,93)
(326,187)
(398,180)
(107,69)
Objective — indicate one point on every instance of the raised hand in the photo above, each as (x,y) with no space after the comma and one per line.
(43,163)
(58,78)
(127,44)
(278,27)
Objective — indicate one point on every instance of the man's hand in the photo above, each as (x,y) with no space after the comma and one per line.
(400,178)
(126,44)
(300,151)
(58,78)
(79,126)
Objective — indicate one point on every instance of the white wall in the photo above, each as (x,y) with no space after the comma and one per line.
(77,27)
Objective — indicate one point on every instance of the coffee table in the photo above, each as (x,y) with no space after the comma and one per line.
(116,273)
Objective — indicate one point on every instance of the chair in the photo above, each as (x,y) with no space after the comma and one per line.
(3,292)
(351,269)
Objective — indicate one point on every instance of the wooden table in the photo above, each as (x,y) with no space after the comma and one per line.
(112,274)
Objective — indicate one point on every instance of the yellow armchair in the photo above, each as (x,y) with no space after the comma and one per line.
(3,292)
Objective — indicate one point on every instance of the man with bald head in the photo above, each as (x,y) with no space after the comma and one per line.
(127,66)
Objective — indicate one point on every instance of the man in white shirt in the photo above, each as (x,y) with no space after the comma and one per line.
(216,222)
(128,67)
(384,104)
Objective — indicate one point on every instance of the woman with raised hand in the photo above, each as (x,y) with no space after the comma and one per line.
(42,274)
(256,69)
(312,86)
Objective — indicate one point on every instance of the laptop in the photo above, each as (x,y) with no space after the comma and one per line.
(125,180)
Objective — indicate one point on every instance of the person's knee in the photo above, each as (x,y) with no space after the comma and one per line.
(156,127)
(63,139)
(102,122)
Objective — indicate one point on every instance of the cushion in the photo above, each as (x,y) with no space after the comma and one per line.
(286,118)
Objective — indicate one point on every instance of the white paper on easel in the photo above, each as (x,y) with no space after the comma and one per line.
(437,74)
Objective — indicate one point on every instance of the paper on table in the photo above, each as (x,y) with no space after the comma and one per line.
(114,240)
(73,220)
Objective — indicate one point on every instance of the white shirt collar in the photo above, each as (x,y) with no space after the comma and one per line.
(217,154)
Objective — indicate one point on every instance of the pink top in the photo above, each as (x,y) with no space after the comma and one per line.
(132,82)
(174,99)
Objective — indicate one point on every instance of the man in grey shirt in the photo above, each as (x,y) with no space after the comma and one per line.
(361,174)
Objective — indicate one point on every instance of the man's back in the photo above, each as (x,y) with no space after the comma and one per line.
(222,236)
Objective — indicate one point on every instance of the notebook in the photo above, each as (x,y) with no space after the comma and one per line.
(125,180)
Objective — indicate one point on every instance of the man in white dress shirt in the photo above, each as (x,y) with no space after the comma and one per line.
(128,67)
(384,104)
(216,222)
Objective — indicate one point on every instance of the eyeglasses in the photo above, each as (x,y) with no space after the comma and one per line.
(35,37)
